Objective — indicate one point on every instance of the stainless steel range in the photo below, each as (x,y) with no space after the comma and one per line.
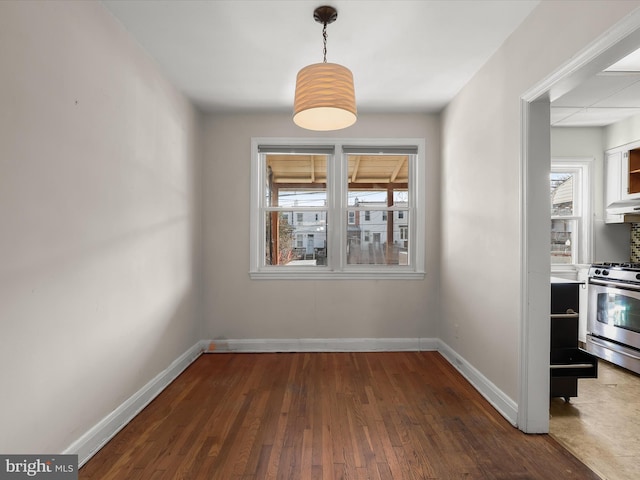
(613,316)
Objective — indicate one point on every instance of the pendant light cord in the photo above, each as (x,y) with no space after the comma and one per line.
(324,37)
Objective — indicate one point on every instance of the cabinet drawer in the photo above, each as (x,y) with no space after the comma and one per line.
(572,362)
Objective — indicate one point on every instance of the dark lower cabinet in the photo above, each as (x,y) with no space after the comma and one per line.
(568,362)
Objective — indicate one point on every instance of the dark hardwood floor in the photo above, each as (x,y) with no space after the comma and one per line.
(392,415)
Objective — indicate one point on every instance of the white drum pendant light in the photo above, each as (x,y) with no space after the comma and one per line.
(325,98)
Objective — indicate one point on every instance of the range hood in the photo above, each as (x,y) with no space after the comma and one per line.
(629,208)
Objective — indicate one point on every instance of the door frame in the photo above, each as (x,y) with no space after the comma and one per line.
(535,165)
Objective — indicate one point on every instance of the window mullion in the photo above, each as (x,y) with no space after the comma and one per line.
(335,222)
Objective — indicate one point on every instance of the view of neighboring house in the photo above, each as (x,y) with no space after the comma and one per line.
(562,223)
(377,235)
(368,231)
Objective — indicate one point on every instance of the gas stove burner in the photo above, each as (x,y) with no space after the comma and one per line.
(618,265)
(632,265)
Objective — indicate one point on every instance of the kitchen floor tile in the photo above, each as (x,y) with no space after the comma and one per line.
(601,426)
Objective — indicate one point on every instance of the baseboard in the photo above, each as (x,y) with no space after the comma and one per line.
(321,345)
(94,439)
(496,397)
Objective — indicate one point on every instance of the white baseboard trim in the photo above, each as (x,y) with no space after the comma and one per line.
(263,345)
(95,438)
(496,397)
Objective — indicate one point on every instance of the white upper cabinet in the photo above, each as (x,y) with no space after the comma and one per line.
(622,184)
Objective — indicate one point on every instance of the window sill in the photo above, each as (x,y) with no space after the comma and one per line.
(333,275)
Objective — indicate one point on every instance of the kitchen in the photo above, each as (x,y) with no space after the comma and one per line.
(595,137)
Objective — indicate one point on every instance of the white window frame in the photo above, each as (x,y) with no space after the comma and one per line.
(337,168)
(581,168)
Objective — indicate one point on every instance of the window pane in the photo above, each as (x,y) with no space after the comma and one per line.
(562,240)
(296,180)
(562,194)
(379,235)
(378,180)
(303,242)
(377,241)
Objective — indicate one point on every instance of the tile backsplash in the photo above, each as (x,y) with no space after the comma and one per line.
(635,242)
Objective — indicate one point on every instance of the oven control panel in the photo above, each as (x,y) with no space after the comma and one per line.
(621,272)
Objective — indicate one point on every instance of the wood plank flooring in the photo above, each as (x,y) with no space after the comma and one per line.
(379,416)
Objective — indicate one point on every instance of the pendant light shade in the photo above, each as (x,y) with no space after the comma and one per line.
(325,98)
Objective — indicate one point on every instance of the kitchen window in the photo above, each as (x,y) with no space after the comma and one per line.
(333,187)
(570,213)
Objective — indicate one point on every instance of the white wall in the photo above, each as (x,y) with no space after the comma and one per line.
(237,307)
(481,192)
(611,241)
(98,222)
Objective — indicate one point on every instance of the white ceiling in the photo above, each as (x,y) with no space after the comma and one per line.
(406,55)
(606,98)
(244,55)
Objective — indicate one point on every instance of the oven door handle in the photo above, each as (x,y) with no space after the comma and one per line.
(600,344)
(608,283)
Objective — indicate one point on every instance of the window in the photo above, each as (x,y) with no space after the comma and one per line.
(570,212)
(332,187)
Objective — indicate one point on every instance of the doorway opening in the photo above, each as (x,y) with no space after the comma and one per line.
(533,405)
